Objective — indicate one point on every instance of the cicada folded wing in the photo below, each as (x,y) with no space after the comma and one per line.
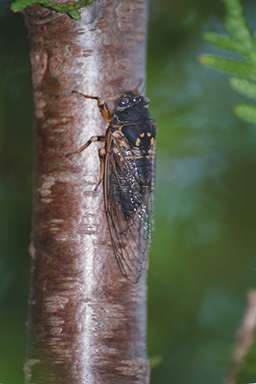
(128,187)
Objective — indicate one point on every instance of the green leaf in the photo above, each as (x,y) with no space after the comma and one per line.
(21,4)
(244,87)
(239,68)
(246,112)
(72,7)
(75,14)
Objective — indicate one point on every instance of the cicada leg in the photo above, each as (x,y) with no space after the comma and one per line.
(103,107)
(93,139)
(102,155)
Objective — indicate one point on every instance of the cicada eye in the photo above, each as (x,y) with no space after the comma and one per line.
(124,101)
(135,99)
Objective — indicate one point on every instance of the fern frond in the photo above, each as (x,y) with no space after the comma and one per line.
(244,87)
(241,41)
(246,112)
(235,67)
(226,42)
(236,24)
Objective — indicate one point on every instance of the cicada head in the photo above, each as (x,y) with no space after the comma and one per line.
(131,106)
(130,100)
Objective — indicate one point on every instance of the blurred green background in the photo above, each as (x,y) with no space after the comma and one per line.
(203,258)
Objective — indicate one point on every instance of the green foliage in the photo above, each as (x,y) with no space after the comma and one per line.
(241,43)
(72,8)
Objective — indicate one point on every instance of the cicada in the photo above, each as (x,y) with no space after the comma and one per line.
(127,168)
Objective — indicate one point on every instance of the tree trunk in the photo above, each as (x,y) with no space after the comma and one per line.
(87,323)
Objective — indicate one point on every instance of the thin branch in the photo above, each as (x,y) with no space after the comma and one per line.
(245,338)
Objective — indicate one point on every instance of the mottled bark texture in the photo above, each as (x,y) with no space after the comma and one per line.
(87,323)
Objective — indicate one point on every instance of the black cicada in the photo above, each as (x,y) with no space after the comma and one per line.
(127,171)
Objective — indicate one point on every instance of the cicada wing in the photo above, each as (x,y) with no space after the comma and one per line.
(128,198)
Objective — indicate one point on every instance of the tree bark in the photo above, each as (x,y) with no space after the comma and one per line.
(87,323)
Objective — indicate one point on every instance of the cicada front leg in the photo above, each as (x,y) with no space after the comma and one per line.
(103,107)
